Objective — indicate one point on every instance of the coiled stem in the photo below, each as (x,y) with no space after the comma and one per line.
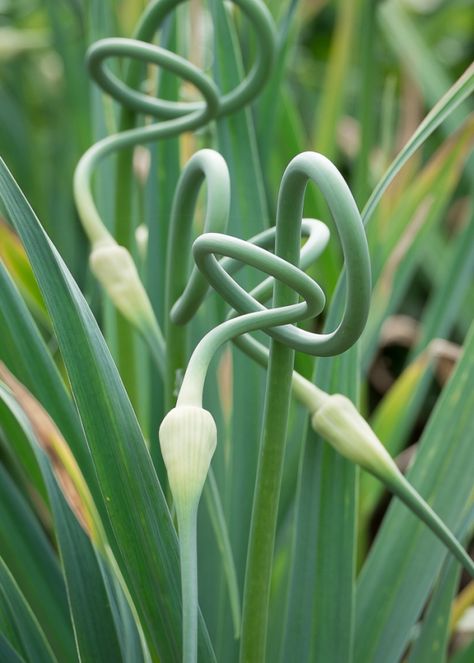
(277,322)
(304,167)
(173,118)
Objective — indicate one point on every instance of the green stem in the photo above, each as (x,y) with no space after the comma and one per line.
(265,506)
(205,166)
(126,357)
(154,340)
(187,525)
(275,419)
(217,517)
(405,491)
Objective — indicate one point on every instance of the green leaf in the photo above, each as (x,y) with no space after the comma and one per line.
(447,299)
(267,111)
(13,255)
(18,621)
(7,653)
(31,560)
(319,623)
(408,43)
(408,230)
(94,628)
(236,135)
(405,558)
(147,547)
(448,103)
(25,353)
(432,642)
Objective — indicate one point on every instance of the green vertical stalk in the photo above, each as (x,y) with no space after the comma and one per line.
(272,450)
(265,505)
(177,259)
(205,166)
(124,226)
(125,335)
(187,525)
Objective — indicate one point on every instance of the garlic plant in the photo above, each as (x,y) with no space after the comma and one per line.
(215,276)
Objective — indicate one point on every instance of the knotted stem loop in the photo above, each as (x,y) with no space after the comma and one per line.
(177,117)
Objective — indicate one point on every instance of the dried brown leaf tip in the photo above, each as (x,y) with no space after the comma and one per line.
(63,463)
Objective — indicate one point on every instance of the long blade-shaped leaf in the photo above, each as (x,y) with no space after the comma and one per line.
(432,642)
(147,543)
(17,619)
(95,631)
(403,563)
(8,653)
(30,558)
(456,94)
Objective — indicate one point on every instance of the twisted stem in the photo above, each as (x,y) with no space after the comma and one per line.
(277,322)
(173,117)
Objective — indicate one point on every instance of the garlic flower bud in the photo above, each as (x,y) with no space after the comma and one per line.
(188,439)
(113,266)
(339,422)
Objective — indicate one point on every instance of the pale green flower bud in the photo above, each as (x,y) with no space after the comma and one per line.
(141,238)
(188,439)
(339,422)
(114,268)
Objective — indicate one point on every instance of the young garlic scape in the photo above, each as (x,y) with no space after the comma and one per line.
(111,263)
(188,432)
(276,321)
(115,269)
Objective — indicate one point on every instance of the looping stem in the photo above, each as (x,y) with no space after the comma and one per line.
(175,117)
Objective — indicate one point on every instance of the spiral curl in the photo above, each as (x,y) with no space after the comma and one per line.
(276,322)
(175,117)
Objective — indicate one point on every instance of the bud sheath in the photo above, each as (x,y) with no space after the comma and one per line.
(188,439)
(113,266)
(339,422)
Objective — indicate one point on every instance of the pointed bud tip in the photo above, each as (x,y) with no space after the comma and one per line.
(113,266)
(340,423)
